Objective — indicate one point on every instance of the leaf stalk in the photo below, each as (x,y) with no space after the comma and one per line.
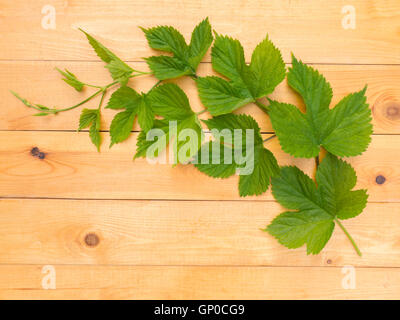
(348,236)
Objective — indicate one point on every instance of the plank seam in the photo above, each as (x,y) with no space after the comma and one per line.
(194,266)
(209,62)
(151,199)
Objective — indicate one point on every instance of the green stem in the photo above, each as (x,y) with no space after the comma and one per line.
(79,104)
(262,106)
(349,237)
(102,90)
(142,72)
(158,82)
(202,111)
(92,85)
(102,98)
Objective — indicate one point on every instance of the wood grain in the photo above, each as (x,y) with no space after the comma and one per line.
(40,83)
(311,29)
(183,235)
(72,168)
(101,232)
(127,282)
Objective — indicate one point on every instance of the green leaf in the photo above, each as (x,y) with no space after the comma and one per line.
(294,229)
(317,208)
(91,117)
(143,144)
(71,79)
(167,39)
(231,122)
(200,42)
(348,130)
(119,70)
(88,116)
(335,179)
(295,134)
(247,82)
(94,133)
(227,57)
(121,126)
(265,167)
(186,58)
(124,98)
(171,103)
(312,87)
(267,67)
(220,96)
(103,53)
(344,130)
(254,179)
(145,113)
(135,104)
(213,163)
(165,67)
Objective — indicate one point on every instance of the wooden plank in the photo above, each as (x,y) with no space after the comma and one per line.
(48,89)
(72,168)
(180,233)
(311,29)
(116,282)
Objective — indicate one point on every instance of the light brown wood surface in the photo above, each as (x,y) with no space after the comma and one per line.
(177,282)
(117,229)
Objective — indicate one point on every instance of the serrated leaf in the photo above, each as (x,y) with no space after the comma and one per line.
(134,104)
(145,114)
(186,58)
(165,67)
(91,117)
(220,96)
(247,82)
(123,98)
(317,208)
(199,43)
(71,79)
(335,179)
(312,87)
(166,38)
(87,117)
(293,130)
(344,130)
(265,167)
(119,70)
(254,180)
(143,144)
(240,122)
(102,52)
(216,164)
(121,126)
(267,67)
(348,130)
(94,133)
(171,103)
(227,57)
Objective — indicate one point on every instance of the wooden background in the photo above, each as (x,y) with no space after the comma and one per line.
(113,228)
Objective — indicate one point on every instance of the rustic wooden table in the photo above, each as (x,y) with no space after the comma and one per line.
(97,225)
